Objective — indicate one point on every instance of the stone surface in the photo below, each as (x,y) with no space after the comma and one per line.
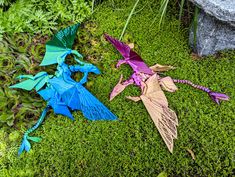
(212,35)
(223,10)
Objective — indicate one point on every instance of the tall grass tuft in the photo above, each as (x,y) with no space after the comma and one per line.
(162,11)
(195,24)
(128,19)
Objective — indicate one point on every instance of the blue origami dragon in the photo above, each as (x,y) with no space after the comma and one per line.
(61,91)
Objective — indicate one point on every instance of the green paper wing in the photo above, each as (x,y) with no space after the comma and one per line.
(37,81)
(60,45)
(27,84)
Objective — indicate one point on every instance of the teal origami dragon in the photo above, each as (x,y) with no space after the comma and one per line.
(60,90)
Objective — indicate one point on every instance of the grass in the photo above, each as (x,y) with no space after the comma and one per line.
(132,146)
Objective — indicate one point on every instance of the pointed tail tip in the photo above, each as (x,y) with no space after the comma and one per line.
(20,151)
(217,97)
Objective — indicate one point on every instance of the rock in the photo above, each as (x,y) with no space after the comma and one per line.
(212,35)
(223,10)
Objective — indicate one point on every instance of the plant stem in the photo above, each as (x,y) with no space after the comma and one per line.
(92,7)
(163,8)
(181,9)
(195,24)
(128,19)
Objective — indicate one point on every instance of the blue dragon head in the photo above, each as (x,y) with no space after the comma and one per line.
(92,68)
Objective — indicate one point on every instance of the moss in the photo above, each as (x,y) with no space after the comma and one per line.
(132,146)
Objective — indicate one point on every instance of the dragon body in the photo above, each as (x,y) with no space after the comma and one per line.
(151,85)
(61,92)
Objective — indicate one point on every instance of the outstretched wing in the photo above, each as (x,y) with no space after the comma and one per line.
(37,81)
(67,91)
(137,62)
(60,45)
(163,117)
(78,98)
(92,108)
(54,100)
(62,108)
(129,55)
(120,46)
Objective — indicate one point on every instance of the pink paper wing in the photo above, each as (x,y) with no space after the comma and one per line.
(121,47)
(133,58)
(137,62)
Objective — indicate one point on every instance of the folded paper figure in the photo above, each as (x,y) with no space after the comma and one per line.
(151,84)
(60,90)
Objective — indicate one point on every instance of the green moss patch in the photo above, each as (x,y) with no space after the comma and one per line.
(132,146)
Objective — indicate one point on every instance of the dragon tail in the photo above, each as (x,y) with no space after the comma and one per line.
(25,145)
(215,96)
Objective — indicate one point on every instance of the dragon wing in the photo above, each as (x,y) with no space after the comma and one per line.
(76,97)
(137,62)
(92,108)
(120,46)
(53,100)
(134,60)
(60,45)
(37,81)
(163,117)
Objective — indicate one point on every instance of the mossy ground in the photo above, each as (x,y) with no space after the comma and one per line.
(132,146)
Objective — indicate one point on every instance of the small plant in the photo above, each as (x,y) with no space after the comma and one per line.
(19,53)
(37,16)
(160,14)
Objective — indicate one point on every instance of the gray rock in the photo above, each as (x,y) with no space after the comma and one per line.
(212,35)
(223,10)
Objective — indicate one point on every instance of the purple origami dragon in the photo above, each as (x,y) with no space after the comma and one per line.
(152,96)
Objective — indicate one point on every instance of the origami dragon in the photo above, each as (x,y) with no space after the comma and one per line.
(151,84)
(61,91)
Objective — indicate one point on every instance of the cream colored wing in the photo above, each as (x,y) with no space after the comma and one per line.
(153,90)
(163,117)
(168,84)
(161,68)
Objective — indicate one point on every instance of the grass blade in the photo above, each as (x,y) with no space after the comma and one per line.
(92,6)
(162,11)
(128,19)
(195,24)
(181,9)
